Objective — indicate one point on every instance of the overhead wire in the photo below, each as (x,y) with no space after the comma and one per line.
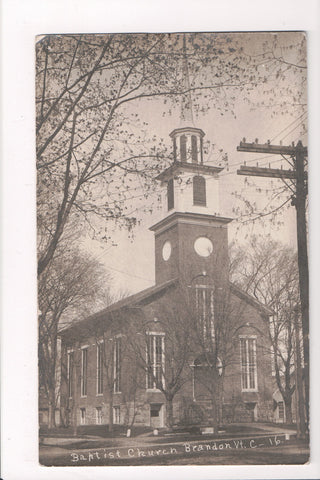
(293,129)
(157,191)
(288,126)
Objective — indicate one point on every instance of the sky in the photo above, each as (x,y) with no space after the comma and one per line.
(131,260)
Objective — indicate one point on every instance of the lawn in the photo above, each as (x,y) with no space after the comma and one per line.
(294,453)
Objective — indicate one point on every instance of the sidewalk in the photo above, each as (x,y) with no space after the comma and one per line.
(267,427)
(267,448)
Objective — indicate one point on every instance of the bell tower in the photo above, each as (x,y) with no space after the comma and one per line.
(192,238)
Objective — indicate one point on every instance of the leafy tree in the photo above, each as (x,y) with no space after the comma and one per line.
(92,144)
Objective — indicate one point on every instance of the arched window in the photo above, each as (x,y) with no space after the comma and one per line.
(248,357)
(205,312)
(170,194)
(155,360)
(199,191)
(194,149)
(183,148)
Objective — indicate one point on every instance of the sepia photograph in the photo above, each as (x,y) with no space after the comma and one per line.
(173,285)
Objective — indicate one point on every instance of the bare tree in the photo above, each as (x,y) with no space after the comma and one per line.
(161,347)
(68,289)
(132,400)
(218,316)
(268,270)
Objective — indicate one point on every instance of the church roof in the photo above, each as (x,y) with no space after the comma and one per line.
(145,297)
(187,128)
(141,298)
(250,300)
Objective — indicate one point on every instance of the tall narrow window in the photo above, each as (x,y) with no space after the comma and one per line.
(100,368)
(248,359)
(199,190)
(84,371)
(99,415)
(194,149)
(70,373)
(183,148)
(205,311)
(117,365)
(116,415)
(170,194)
(82,416)
(155,360)
(281,410)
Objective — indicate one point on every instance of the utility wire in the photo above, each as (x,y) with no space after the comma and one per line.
(288,126)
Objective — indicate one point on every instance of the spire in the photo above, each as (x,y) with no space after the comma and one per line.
(186,119)
(187,139)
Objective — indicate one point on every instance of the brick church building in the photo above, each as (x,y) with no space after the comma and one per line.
(193,348)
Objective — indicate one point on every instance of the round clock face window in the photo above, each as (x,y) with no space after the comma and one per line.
(166,251)
(203,246)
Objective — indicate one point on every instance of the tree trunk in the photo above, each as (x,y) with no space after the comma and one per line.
(75,392)
(288,407)
(221,389)
(51,410)
(111,412)
(169,412)
(75,420)
(215,412)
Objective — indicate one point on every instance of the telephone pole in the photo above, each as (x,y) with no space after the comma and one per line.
(298,174)
(300,407)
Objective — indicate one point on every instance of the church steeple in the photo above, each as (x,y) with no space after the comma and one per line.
(186,116)
(187,179)
(187,139)
(192,236)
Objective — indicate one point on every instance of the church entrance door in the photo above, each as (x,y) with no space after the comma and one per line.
(156,415)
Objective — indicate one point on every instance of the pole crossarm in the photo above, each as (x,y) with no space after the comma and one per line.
(268,148)
(266,172)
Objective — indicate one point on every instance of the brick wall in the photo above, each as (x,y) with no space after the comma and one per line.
(184,261)
(158,316)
